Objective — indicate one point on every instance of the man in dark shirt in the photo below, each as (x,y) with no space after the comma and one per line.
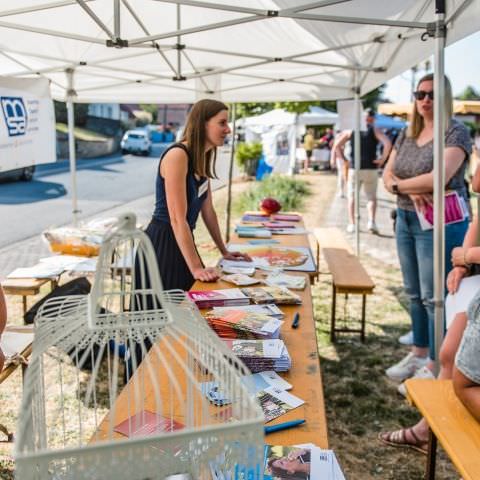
(369,163)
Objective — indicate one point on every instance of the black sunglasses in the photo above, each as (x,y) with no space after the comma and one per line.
(421,94)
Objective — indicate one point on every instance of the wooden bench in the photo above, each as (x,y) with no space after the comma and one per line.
(348,277)
(26,287)
(450,423)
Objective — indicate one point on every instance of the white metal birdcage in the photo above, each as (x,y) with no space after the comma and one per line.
(78,419)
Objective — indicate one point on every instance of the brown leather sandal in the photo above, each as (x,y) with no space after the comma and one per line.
(398,438)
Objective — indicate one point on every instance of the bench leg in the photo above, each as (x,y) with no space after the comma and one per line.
(364,305)
(334,309)
(431,456)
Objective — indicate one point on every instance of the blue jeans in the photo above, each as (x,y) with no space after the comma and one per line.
(415,251)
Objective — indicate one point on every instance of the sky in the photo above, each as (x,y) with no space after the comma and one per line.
(462,65)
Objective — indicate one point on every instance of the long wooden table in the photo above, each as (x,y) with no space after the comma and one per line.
(305,375)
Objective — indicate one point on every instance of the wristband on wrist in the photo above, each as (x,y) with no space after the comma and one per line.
(467,265)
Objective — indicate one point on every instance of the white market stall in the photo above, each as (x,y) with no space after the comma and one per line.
(280,131)
(176,51)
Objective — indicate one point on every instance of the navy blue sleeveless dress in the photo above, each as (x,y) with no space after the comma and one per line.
(174,271)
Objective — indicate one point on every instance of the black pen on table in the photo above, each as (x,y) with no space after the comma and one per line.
(296,320)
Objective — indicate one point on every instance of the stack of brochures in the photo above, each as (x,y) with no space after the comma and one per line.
(218,298)
(278,295)
(301,461)
(262,355)
(266,309)
(286,217)
(251,231)
(241,324)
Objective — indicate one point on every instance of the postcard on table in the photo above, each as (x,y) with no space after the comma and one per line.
(288,258)
(275,402)
(146,423)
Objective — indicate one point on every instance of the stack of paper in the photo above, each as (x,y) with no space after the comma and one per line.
(240,324)
(295,282)
(262,355)
(240,279)
(218,298)
(306,461)
(248,231)
(262,380)
(255,217)
(278,295)
(231,266)
(286,217)
(267,309)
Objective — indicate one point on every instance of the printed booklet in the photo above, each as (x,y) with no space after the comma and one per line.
(145,423)
(276,402)
(218,298)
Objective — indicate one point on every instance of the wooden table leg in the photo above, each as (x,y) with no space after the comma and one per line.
(364,307)
(431,456)
(334,309)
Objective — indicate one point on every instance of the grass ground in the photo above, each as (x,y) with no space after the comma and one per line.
(360,401)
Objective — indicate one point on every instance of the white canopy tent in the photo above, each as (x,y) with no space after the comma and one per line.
(264,50)
(278,127)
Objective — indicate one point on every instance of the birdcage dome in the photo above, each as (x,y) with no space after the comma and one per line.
(78,418)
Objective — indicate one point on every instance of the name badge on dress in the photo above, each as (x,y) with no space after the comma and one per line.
(203,188)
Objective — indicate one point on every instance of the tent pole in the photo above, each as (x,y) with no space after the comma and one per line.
(230,172)
(439,181)
(71,144)
(292,150)
(356,156)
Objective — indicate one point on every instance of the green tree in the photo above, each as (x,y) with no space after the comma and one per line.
(469,94)
(252,108)
(151,108)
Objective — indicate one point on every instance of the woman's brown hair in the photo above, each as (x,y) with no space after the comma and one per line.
(196,138)
(417,124)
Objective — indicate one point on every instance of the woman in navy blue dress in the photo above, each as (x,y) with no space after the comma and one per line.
(183,193)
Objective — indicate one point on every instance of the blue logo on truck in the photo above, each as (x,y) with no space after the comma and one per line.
(15,115)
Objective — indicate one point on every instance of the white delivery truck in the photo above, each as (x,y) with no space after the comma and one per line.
(27,126)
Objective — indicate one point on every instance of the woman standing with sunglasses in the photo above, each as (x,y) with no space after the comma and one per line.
(409,175)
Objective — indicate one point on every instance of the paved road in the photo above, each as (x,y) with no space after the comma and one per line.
(27,208)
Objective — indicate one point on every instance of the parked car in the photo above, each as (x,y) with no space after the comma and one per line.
(136,141)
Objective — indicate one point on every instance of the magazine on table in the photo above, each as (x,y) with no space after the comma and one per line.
(305,462)
(278,295)
(294,282)
(266,308)
(455,211)
(276,402)
(286,217)
(145,423)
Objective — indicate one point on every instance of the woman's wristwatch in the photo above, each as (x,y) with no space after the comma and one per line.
(395,188)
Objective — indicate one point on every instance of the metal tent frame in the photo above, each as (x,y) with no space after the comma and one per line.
(254,75)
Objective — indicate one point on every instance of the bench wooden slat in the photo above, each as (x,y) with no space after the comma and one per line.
(347,271)
(331,237)
(23,286)
(455,428)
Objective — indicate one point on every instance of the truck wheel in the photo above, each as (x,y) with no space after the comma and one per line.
(27,174)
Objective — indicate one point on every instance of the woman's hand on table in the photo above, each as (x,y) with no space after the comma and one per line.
(237,256)
(210,274)
(454,278)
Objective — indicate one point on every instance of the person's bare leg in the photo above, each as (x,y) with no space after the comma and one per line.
(468,392)
(448,351)
(351,209)
(372,210)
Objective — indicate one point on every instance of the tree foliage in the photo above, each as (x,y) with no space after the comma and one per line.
(151,108)
(469,94)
